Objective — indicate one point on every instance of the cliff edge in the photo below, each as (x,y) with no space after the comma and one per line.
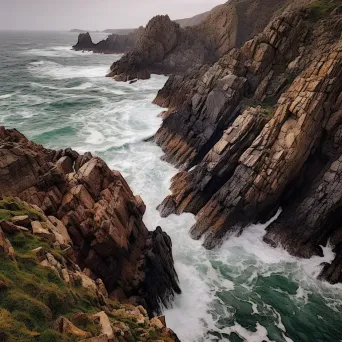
(259,130)
(166,48)
(98,216)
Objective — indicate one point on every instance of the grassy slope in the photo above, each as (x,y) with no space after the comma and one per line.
(33,297)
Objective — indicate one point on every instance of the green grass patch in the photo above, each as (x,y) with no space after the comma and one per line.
(322,8)
(32,297)
(268,107)
(10,207)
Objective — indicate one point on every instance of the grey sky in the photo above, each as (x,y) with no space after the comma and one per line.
(93,14)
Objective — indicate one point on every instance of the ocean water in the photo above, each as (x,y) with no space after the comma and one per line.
(244,291)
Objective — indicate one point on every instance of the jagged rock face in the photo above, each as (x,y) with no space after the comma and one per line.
(151,47)
(36,240)
(189,132)
(158,270)
(246,162)
(115,43)
(84,42)
(166,48)
(276,157)
(100,212)
(196,187)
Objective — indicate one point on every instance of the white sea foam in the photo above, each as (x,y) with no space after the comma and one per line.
(258,336)
(57,51)
(95,137)
(58,71)
(6,96)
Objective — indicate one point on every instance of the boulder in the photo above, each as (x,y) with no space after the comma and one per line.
(10,228)
(65,327)
(61,232)
(105,324)
(23,221)
(6,248)
(37,229)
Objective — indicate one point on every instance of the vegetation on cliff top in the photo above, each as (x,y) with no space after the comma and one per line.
(321,8)
(33,297)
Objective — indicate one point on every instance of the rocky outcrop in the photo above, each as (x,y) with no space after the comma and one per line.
(40,281)
(94,208)
(124,40)
(115,43)
(195,188)
(166,48)
(260,130)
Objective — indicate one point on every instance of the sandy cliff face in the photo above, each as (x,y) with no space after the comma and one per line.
(260,129)
(176,49)
(100,214)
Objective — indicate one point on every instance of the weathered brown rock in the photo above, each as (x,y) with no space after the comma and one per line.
(188,133)
(6,248)
(65,327)
(10,228)
(192,190)
(238,170)
(92,211)
(104,322)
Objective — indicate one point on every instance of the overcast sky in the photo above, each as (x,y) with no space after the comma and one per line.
(93,14)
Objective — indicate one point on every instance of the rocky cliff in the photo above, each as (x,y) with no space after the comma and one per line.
(115,42)
(124,40)
(166,48)
(259,130)
(97,218)
(46,297)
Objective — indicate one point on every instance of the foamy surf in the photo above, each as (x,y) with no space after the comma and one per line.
(6,96)
(57,51)
(58,71)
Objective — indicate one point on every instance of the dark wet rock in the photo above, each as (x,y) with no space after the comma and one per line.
(115,43)
(160,271)
(84,42)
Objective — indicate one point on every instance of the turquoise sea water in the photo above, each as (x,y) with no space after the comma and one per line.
(245,291)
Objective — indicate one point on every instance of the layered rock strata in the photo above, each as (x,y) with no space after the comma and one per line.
(100,214)
(166,48)
(259,129)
